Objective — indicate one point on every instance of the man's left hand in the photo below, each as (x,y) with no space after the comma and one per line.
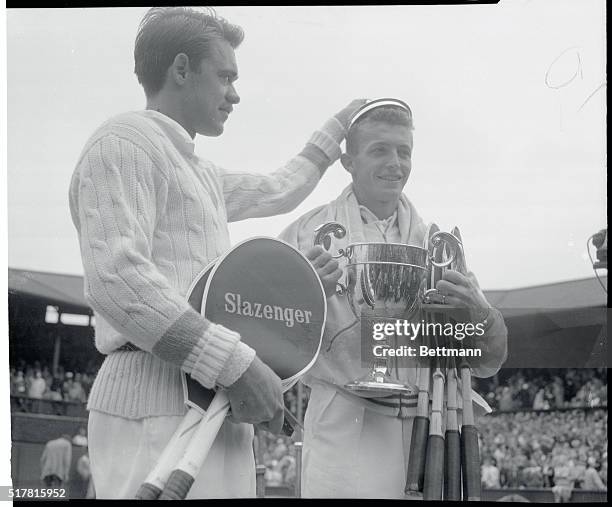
(463,291)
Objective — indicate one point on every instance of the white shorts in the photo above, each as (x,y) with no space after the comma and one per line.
(123,451)
(352,452)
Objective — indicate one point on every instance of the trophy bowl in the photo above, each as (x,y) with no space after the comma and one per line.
(384,282)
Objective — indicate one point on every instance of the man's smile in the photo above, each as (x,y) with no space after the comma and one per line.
(390,177)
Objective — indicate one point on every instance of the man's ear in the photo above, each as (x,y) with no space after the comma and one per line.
(347,162)
(179,69)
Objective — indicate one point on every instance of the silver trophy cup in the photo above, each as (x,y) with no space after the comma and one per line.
(385,282)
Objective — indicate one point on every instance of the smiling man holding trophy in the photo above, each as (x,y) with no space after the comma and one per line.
(358,425)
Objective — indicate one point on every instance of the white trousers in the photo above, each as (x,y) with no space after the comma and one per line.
(123,451)
(350,451)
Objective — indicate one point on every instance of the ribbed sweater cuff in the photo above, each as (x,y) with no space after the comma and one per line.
(236,365)
(210,356)
(328,138)
(316,156)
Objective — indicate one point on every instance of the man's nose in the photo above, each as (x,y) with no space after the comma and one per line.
(232,95)
(394,160)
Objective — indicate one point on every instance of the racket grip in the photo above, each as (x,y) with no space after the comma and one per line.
(452,464)
(157,478)
(178,485)
(470,463)
(148,492)
(416,458)
(434,468)
(195,454)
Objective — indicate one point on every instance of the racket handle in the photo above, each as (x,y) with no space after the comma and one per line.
(470,463)
(195,454)
(452,466)
(148,492)
(417,456)
(434,468)
(152,487)
(178,486)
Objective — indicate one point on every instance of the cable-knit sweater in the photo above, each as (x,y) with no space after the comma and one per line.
(150,216)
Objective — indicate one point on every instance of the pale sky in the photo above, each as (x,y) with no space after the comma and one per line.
(503,148)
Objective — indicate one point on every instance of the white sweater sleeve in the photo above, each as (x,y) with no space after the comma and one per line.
(113,201)
(252,195)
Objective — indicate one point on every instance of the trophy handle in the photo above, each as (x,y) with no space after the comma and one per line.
(455,259)
(443,239)
(323,237)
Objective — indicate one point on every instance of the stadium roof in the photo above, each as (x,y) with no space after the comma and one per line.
(52,287)
(583,293)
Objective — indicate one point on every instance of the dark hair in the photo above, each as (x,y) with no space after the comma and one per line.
(165,32)
(388,114)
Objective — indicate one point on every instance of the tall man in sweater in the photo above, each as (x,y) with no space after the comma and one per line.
(353,446)
(151,214)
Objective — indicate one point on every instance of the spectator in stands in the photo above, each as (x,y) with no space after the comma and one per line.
(539,402)
(87,381)
(548,472)
(29,376)
(558,391)
(55,461)
(490,475)
(54,393)
(83,487)
(287,466)
(505,401)
(76,391)
(564,483)
(46,374)
(67,384)
(19,385)
(38,386)
(273,475)
(603,473)
(591,480)
(80,439)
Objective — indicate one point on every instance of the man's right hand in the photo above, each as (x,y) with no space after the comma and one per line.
(345,114)
(257,397)
(326,267)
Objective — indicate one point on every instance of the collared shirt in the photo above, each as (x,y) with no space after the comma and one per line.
(384,230)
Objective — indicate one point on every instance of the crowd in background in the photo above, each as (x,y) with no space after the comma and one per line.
(545,449)
(38,381)
(540,389)
(561,449)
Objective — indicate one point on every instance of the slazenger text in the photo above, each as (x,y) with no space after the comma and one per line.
(235,304)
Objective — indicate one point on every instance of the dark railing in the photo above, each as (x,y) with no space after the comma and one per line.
(50,407)
(547,410)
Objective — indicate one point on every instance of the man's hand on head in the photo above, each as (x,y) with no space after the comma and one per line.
(327,268)
(257,397)
(347,112)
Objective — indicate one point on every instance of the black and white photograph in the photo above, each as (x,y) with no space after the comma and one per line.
(326,252)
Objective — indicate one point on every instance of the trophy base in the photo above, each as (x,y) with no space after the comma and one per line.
(377,385)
